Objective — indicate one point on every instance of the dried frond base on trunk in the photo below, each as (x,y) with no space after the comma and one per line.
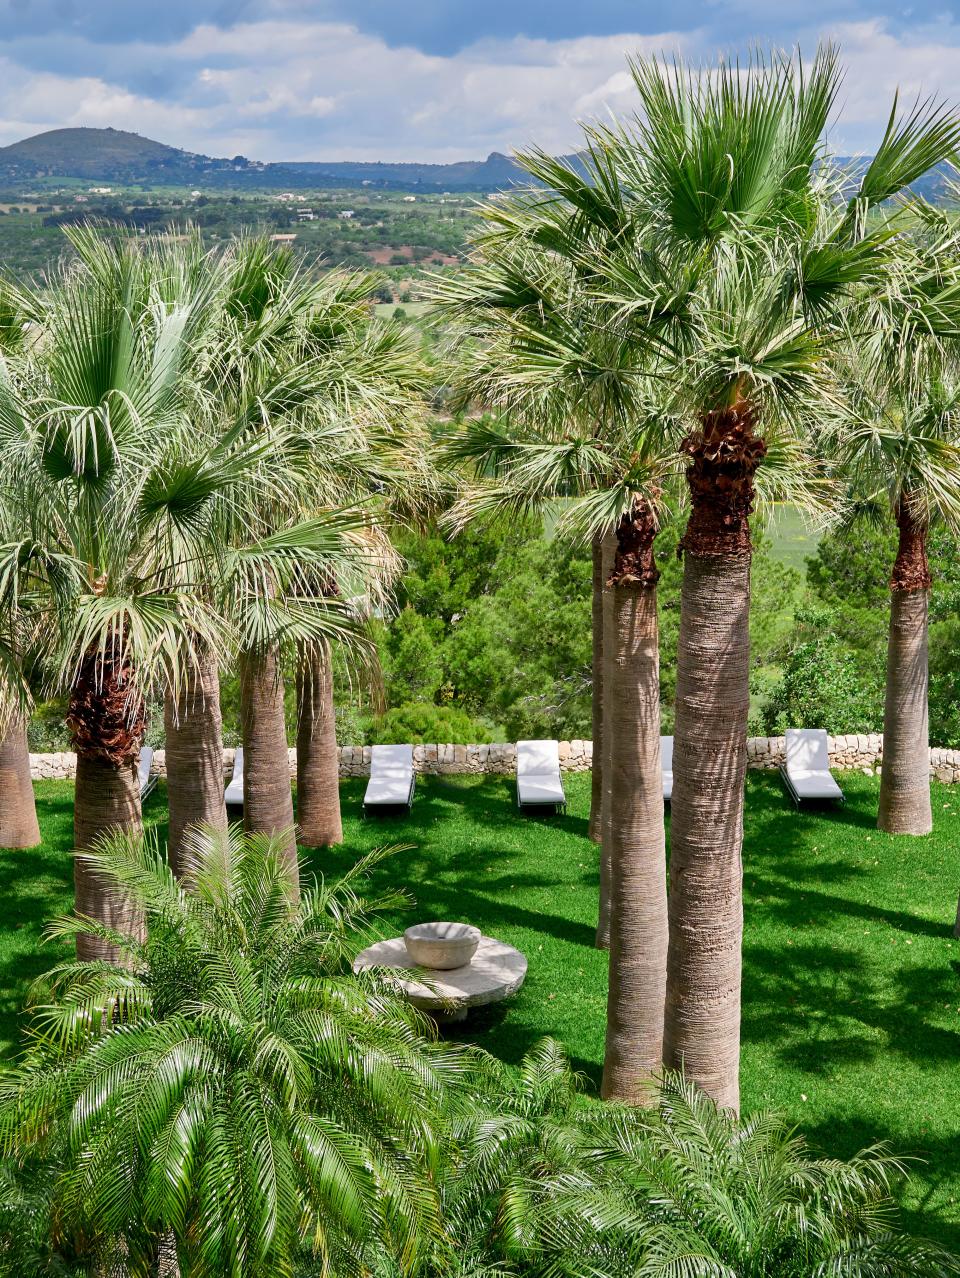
(106,716)
(107,721)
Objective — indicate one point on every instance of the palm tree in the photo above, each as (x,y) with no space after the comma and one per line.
(18,809)
(598,482)
(904,451)
(713,222)
(257,1105)
(108,505)
(901,457)
(371,378)
(541,347)
(749,1198)
(298,369)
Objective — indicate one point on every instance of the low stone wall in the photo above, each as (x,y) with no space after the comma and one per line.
(846,752)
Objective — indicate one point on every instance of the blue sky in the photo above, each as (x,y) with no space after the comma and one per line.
(419,79)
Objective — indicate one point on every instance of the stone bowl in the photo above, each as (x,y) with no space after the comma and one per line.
(442,946)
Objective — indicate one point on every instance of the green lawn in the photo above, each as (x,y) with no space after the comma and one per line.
(852,981)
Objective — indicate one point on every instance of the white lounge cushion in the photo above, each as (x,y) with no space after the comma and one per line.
(391,775)
(666,766)
(546,788)
(538,758)
(808,764)
(145,767)
(538,773)
(234,791)
(810,784)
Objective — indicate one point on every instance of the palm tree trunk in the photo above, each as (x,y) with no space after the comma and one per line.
(596,775)
(702,1026)
(905,774)
(318,764)
(638,868)
(608,642)
(193,730)
(107,724)
(267,796)
(18,809)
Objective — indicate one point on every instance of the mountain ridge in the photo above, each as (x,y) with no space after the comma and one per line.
(129,159)
(115,155)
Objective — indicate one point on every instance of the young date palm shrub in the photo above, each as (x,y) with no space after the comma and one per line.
(542,1184)
(231,1090)
(749,1199)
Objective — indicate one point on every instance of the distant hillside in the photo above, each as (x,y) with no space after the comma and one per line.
(111,155)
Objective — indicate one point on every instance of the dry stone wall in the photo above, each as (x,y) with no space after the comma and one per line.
(846,752)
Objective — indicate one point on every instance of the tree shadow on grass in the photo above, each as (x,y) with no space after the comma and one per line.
(453,877)
(930,1210)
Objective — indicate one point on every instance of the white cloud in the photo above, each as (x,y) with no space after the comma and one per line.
(302,89)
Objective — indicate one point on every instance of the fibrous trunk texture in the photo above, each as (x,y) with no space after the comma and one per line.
(702,1026)
(318,766)
(596,775)
(106,720)
(18,810)
(267,796)
(638,871)
(193,731)
(905,774)
(602,939)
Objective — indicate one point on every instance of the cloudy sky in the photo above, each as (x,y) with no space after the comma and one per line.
(420,79)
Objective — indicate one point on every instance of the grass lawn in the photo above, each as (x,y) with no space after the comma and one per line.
(852,977)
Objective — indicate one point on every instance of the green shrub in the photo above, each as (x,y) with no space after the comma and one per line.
(824,684)
(426,723)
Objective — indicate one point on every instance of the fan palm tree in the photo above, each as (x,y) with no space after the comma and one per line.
(231,1087)
(901,456)
(371,378)
(905,451)
(299,354)
(107,519)
(592,482)
(540,347)
(18,809)
(712,221)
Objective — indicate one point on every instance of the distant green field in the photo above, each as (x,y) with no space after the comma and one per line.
(385,310)
(793,541)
